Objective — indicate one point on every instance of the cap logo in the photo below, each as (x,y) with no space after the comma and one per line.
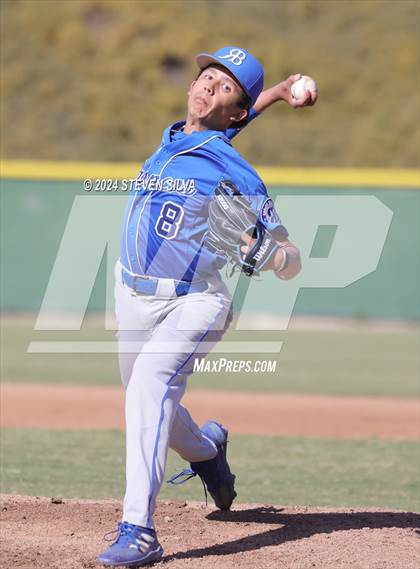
(235,56)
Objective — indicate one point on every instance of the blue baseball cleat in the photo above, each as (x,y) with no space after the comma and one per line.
(134,546)
(215,473)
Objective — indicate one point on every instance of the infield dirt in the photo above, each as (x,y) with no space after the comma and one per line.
(51,533)
(283,414)
(41,533)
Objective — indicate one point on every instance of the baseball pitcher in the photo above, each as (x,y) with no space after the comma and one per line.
(196,205)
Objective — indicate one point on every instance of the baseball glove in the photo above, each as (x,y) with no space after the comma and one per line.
(230,215)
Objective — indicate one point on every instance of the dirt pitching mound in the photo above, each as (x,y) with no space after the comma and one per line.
(67,534)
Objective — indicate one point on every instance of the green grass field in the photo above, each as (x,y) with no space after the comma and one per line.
(275,470)
(270,470)
(354,361)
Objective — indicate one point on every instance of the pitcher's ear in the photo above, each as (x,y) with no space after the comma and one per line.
(240,115)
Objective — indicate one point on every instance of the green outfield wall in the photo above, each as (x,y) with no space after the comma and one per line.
(35,206)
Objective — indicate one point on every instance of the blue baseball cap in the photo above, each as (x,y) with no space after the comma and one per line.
(247,70)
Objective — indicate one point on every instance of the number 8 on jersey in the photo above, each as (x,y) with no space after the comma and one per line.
(169,220)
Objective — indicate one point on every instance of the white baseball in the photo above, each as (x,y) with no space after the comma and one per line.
(302,85)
